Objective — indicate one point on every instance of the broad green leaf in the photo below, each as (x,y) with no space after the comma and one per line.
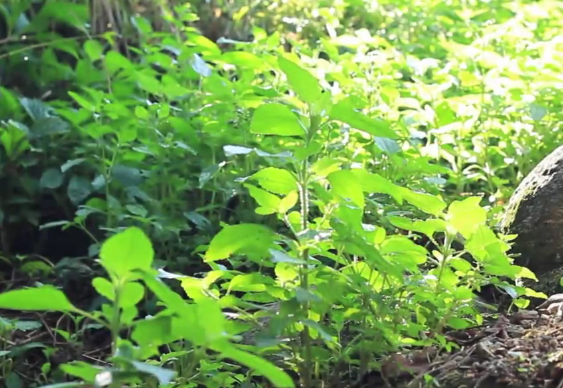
(243,59)
(538,112)
(276,180)
(127,251)
(13,380)
(94,49)
(345,185)
(286,272)
(164,376)
(27,325)
(148,83)
(71,163)
(66,385)
(214,322)
(277,376)
(288,202)
(49,126)
(276,119)
(325,166)
(153,331)
(83,102)
(46,298)
(303,83)
(525,273)
(35,108)
(9,105)
(268,202)
(426,202)
(104,287)
(127,176)
(131,294)
(344,111)
(252,282)
(200,66)
(467,216)
(169,298)
(82,370)
(404,251)
(141,112)
(250,238)
(387,145)
(14,139)
(115,61)
(426,227)
(79,188)
(374,183)
(51,179)
(283,257)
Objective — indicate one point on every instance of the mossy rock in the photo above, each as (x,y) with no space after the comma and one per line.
(535,214)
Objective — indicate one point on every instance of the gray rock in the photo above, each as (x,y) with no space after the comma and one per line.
(535,214)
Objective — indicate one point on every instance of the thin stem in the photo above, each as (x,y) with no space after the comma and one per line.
(307,369)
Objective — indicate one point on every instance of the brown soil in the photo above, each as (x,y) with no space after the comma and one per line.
(524,350)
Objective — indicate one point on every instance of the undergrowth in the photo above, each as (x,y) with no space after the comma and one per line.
(269,209)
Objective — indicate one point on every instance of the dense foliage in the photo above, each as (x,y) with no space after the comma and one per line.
(287,204)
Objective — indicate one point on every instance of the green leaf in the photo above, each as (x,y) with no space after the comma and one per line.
(141,112)
(344,184)
(164,376)
(252,282)
(84,103)
(9,105)
(276,119)
(283,257)
(404,251)
(14,139)
(131,294)
(65,385)
(288,202)
(104,287)
(426,202)
(115,61)
(243,237)
(153,331)
(51,179)
(374,183)
(46,298)
(243,59)
(82,370)
(200,66)
(127,176)
(278,377)
(387,145)
(276,180)
(49,126)
(71,163)
(127,251)
(268,202)
(301,81)
(467,216)
(35,108)
(94,49)
(149,83)
(426,227)
(79,188)
(343,111)
(12,380)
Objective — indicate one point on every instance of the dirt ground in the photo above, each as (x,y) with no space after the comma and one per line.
(523,350)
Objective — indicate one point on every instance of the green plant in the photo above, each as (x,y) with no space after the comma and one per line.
(127,257)
(378,172)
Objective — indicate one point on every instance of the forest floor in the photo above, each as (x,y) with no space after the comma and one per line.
(522,350)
